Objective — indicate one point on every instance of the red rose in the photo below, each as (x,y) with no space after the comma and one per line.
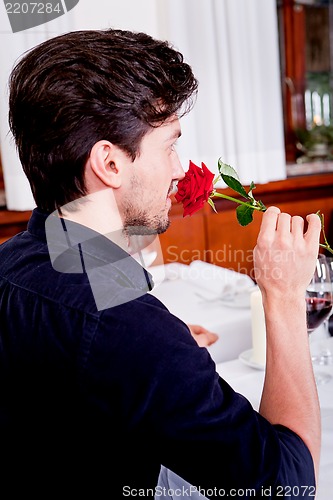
(194,190)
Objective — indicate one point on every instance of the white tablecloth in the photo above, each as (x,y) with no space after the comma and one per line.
(186,295)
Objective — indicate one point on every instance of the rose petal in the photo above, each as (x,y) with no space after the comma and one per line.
(195,188)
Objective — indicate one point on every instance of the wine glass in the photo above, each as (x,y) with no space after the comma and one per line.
(328,321)
(325,356)
(319,303)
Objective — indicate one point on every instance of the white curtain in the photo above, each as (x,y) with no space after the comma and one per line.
(127,14)
(18,192)
(232,46)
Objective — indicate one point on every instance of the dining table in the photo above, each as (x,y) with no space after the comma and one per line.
(205,294)
(195,299)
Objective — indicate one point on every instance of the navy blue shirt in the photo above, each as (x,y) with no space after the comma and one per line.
(101,385)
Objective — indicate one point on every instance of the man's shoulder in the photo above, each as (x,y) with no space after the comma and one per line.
(26,269)
(25,265)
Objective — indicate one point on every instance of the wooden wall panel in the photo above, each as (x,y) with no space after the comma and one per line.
(185,239)
(12,222)
(230,244)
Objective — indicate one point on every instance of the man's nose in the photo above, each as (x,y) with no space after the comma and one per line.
(178,171)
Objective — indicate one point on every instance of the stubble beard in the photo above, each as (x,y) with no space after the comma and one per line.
(138,221)
(142,224)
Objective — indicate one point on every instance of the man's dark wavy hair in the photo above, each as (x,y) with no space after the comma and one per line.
(69,92)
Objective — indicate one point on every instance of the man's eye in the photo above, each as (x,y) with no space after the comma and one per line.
(173,146)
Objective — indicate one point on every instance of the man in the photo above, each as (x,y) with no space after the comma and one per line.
(100,384)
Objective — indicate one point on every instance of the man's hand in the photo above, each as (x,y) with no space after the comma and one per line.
(285,255)
(203,337)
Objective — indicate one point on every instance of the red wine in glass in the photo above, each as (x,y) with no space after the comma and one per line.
(317,310)
(319,305)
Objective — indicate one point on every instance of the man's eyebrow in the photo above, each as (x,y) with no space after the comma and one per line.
(175,135)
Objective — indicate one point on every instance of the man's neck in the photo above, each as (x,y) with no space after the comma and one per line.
(99,212)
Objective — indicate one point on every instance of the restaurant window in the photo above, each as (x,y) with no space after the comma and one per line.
(306,55)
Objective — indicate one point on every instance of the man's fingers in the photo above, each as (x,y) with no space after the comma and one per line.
(269,221)
(206,339)
(274,220)
(284,224)
(202,336)
(297,226)
(312,234)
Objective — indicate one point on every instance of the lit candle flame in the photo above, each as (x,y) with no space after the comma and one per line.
(317,120)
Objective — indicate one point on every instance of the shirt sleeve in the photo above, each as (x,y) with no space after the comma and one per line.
(296,476)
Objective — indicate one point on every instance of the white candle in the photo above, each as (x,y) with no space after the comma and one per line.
(258,329)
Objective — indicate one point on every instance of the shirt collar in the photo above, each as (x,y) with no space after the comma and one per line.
(76,248)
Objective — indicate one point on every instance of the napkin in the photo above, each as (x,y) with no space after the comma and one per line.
(219,281)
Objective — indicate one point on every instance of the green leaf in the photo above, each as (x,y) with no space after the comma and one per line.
(235,185)
(230,177)
(252,187)
(244,214)
(227,169)
(211,203)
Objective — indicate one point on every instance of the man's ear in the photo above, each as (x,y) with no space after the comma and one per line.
(106,161)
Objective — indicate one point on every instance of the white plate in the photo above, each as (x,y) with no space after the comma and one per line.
(246,358)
